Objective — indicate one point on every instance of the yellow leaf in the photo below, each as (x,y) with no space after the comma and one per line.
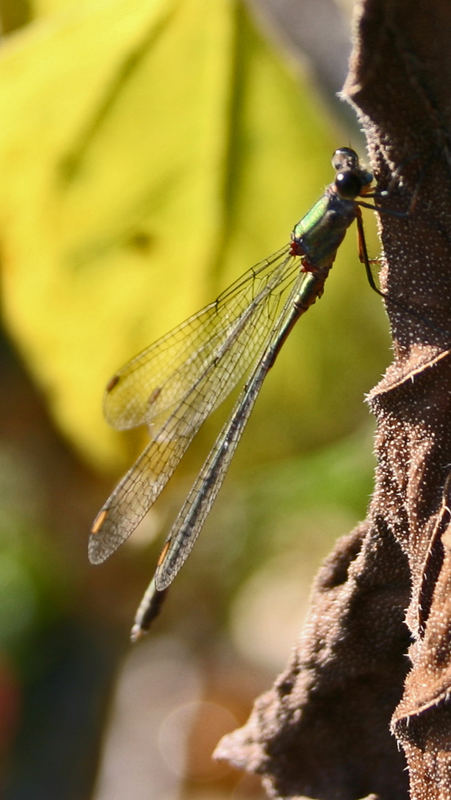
(149,152)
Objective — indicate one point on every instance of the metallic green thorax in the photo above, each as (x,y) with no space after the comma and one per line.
(318,235)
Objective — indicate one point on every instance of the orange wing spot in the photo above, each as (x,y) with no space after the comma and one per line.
(99,520)
(163,554)
(112,383)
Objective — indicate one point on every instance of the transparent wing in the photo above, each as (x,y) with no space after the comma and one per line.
(224,339)
(156,379)
(191,518)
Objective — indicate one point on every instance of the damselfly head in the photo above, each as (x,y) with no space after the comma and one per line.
(351,180)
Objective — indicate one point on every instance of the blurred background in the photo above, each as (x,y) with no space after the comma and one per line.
(150,152)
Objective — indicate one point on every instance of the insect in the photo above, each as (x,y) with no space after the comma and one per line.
(174,384)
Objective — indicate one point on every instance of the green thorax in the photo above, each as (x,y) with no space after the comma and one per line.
(319,233)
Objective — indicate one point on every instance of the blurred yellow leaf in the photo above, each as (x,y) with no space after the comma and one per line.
(150,151)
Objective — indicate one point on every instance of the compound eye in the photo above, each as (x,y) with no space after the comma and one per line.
(348,185)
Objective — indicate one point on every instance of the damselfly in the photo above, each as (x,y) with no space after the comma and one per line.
(174,384)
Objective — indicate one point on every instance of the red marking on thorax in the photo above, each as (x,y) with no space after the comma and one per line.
(297,250)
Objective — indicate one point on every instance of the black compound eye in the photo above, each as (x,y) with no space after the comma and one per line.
(348,185)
